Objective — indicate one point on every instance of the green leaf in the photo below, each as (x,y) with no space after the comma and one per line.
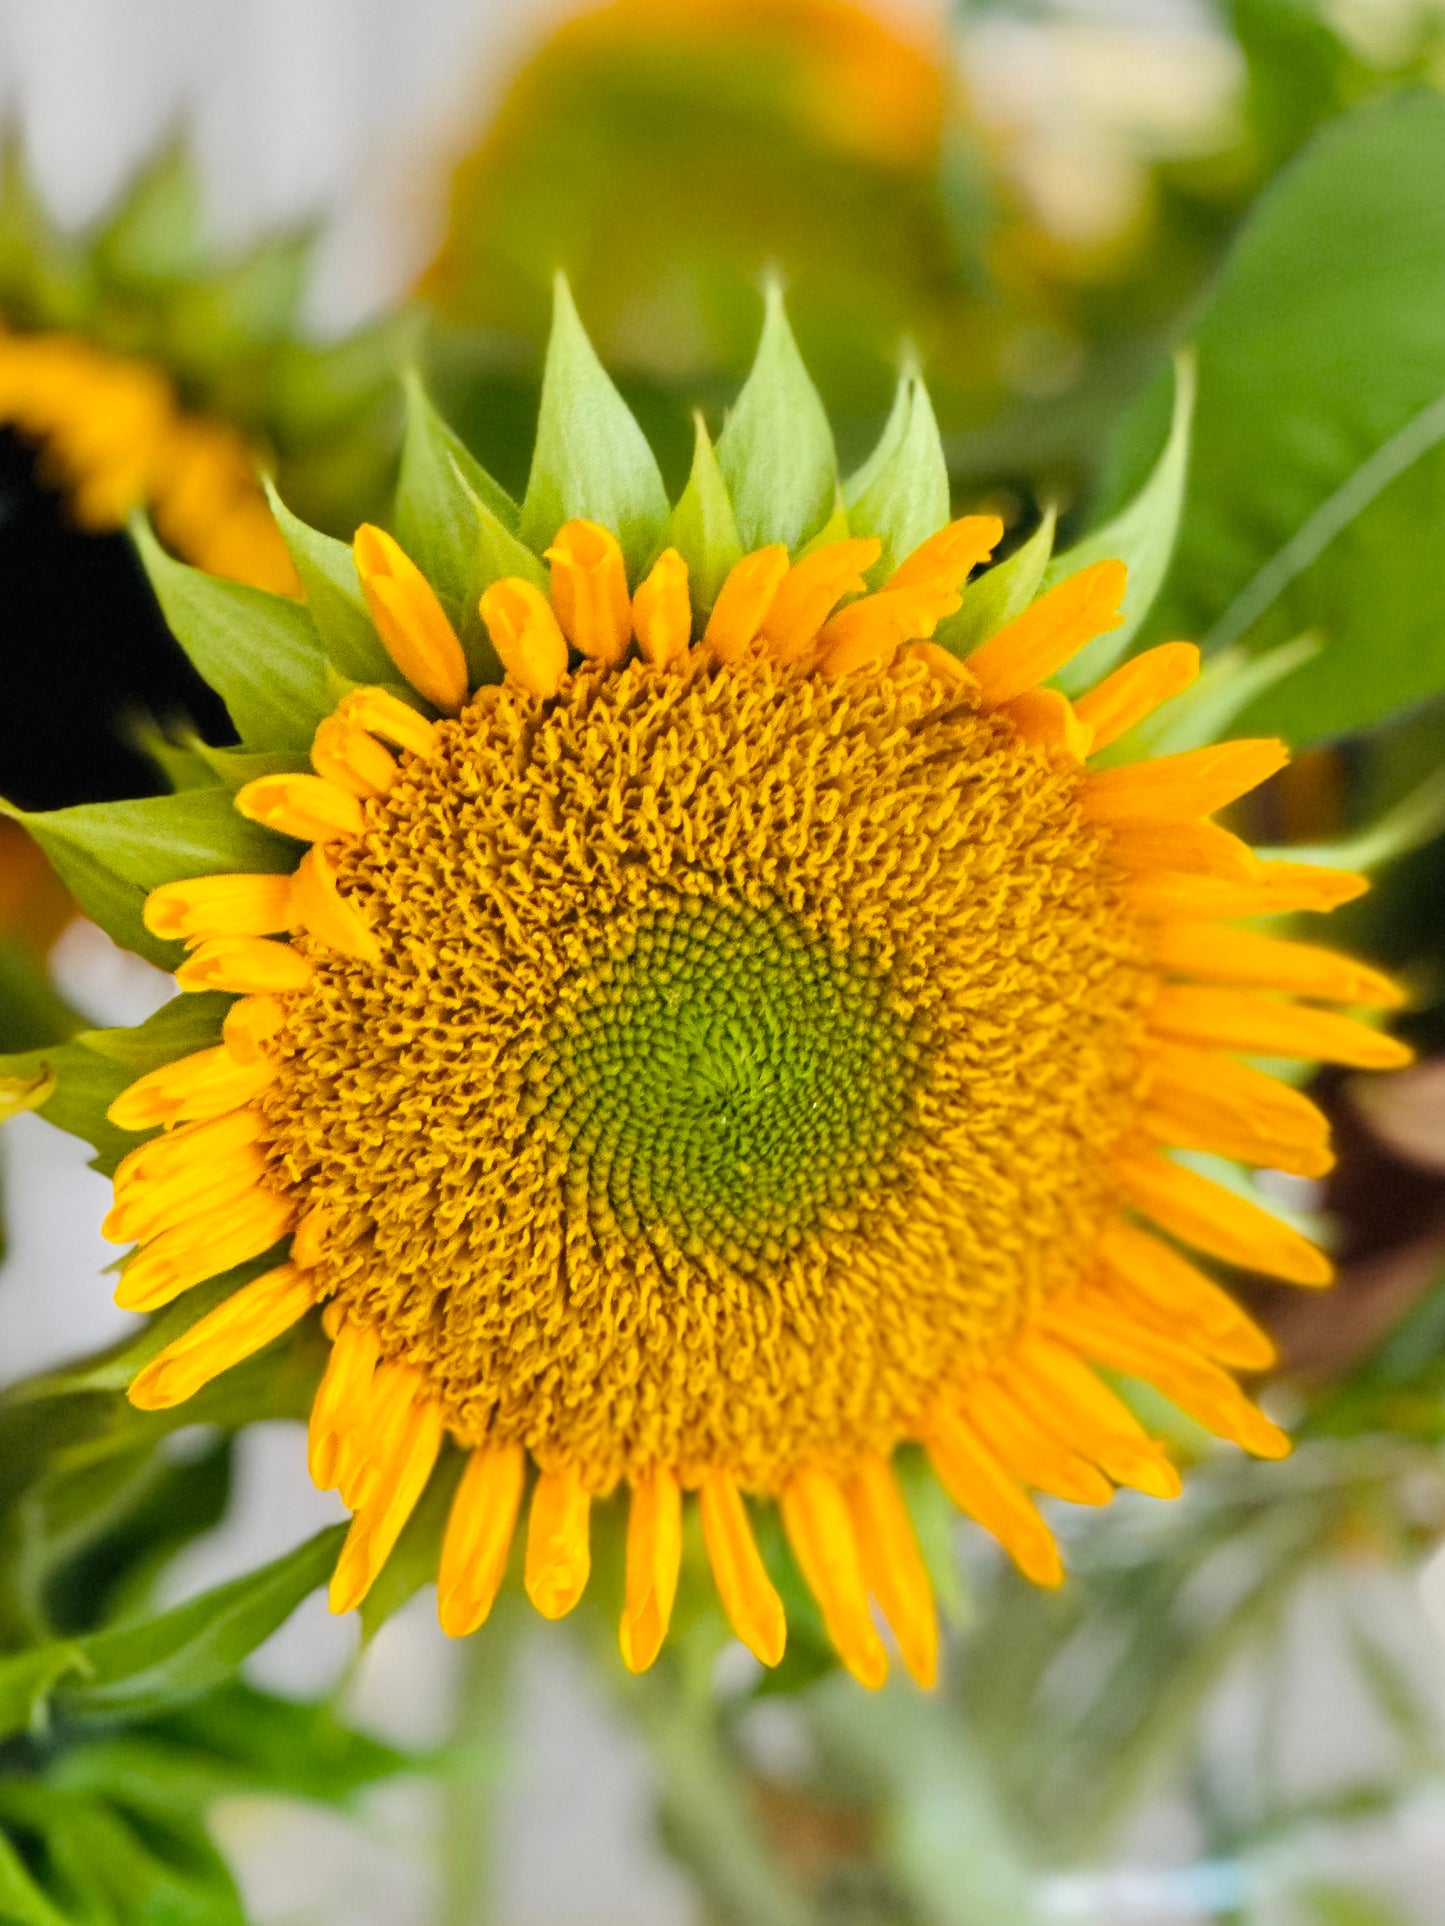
(111,855)
(900,494)
(260,653)
(776,448)
(333,595)
(1001,593)
(702,527)
(21,1900)
(28,1678)
(174,1656)
(591,459)
(1141,535)
(1320,442)
(437,522)
(90,1070)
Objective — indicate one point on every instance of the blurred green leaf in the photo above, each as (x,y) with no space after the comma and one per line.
(21,1900)
(333,595)
(1334,1903)
(591,459)
(776,448)
(900,494)
(1141,535)
(1319,462)
(702,527)
(111,855)
(259,652)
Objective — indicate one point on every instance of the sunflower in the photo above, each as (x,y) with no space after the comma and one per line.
(715,1027)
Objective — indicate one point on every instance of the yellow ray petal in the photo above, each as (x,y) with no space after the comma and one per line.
(245,965)
(1029,1451)
(754,1609)
(893,1566)
(820,1532)
(559,1558)
(307,807)
(525,633)
(1166,1290)
(1029,649)
(411,622)
(205,1084)
(1201,849)
(1200,949)
(479,1537)
(662,613)
(202,1247)
(187,1154)
(654,1554)
(589,591)
(400,1482)
(1047,719)
(382,714)
(1185,786)
(810,591)
(1239,1020)
(1216,1220)
(744,601)
(340,1397)
(945,560)
(380,1418)
(322,911)
(205,906)
(250,1022)
(1199,1100)
(308,1243)
(1113,707)
(1274,889)
(1063,1394)
(1100,1327)
(148,1206)
(246,1323)
(350,758)
(978,1484)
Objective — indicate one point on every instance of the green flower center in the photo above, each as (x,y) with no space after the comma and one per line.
(731,1077)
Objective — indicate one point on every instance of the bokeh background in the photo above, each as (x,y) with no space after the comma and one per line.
(1034,197)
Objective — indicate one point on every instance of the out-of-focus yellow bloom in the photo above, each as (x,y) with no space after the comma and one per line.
(113,437)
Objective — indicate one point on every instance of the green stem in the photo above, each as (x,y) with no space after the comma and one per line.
(479,1759)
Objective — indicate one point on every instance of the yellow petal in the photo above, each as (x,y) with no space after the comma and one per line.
(662,613)
(744,601)
(350,758)
(206,906)
(1028,1450)
(978,1484)
(589,591)
(382,714)
(1034,645)
(479,1537)
(893,1566)
(187,1154)
(205,1084)
(525,634)
(320,909)
(400,1482)
(1047,719)
(1216,1220)
(244,965)
(1197,1099)
(749,1598)
(148,1207)
(559,1558)
(411,622)
(203,1247)
(246,1323)
(946,560)
(1135,690)
(654,1554)
(808,593)
(307,807)
(1200,949)
(250,1022)
(821,1535)
(1240,1020)
(1064,1395)
(340,1397)
(1273,889)
(1184,786)
(1201,848)
(1166,1290)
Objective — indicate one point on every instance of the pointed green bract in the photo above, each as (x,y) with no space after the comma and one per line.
(499,554)
(1001,593)
(111,855)
(776,448)
(333,595)
(900,494)
(591,459)
(260,653)
(702,527)
(1141,536)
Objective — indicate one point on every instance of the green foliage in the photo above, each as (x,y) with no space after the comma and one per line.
(1320,438)
(113,854)
(591,459)
(333,596)
(776,448)
(702,527)
(900,494)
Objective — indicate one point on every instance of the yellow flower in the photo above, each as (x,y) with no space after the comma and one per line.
(707,1067)
(113,438)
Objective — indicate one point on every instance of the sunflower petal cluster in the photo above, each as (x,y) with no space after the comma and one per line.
(695,1009)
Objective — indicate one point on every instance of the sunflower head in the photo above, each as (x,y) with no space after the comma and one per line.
(699,1005)
(150,374)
